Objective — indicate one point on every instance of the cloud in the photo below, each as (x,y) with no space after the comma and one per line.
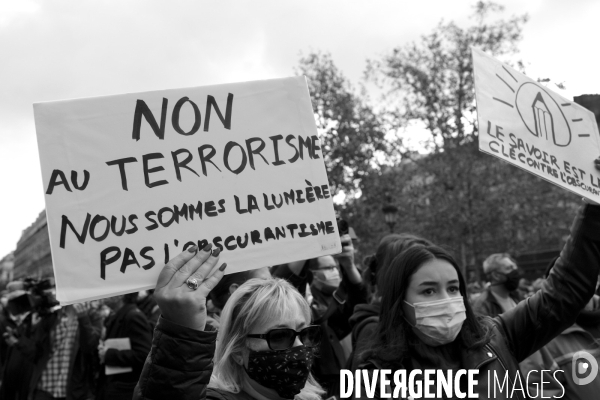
(68,49)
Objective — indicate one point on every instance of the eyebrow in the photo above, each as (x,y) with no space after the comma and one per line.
(279,327)
(283,326)
(433,283)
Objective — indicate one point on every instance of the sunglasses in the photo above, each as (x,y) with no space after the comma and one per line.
(284,338)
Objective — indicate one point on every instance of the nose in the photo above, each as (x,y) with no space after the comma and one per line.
(444,296)
(297,342)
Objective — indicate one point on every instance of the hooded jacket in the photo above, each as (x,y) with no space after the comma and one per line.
(364,323)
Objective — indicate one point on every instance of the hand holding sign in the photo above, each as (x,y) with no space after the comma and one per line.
(177,301)
(132,179)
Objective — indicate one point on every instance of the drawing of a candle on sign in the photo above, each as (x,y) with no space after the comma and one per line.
(543,118)
(542,115)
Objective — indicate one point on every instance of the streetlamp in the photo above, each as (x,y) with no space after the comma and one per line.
(390,213)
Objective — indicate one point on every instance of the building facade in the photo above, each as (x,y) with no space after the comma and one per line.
(32,257)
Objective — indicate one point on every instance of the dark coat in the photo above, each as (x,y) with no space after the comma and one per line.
(129,322)
(364,323)
(81,367)
(486,304)
(535,321)
(79,383)
(180,364)
(27,358)
(185,377)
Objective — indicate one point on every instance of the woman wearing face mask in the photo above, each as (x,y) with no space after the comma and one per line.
(264,348)
(365,318)
(336,287)
(426,321)
(501,295)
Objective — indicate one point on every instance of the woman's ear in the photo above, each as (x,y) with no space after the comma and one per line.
(238,358)
(233,287)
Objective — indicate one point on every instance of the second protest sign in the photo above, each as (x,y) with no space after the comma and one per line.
(528,125)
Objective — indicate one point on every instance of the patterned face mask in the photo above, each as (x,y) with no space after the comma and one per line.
(285,371)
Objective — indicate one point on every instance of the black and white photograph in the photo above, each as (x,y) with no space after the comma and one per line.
(299,200)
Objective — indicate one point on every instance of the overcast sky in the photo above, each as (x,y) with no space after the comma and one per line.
(58,49)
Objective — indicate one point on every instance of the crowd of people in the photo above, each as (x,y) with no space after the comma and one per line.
(287,331)
(52,352)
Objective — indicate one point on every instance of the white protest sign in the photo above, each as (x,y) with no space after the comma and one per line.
(132,180)
(528,125)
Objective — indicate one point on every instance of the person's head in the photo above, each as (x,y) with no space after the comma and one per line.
(424,301)
(274,308)
(130,298)
(326,274)
(229,284)
(114,302)
(389,247)
(502,269)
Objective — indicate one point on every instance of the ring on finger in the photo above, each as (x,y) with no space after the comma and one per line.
(192,283)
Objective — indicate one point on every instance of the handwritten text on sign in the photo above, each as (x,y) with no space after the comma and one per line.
(524,123)
(132,180)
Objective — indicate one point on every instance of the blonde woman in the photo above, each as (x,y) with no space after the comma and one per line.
(264,348)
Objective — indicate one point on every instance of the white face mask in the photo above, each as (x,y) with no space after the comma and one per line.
(440,321)
(327,279)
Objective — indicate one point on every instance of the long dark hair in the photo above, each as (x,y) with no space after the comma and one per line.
(389,248)
(395,338)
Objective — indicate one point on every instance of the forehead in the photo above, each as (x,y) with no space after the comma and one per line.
(326,262)
(261,273)
(506,263)
(293,318)
(438,271)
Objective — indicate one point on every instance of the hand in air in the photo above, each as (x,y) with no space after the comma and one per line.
(185,282)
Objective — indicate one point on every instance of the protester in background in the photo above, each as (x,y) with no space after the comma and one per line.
(365,318)
(504,276)
(336,287)
(264,349)
(427,323)
(355,243)
(525,288)
(474,290)
(68,373)
(503,295)
(127,321)
(6,321)
(57,348)
(225,288)
(21,336)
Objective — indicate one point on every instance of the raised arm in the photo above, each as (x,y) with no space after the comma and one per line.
(570,285)
(180,362)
